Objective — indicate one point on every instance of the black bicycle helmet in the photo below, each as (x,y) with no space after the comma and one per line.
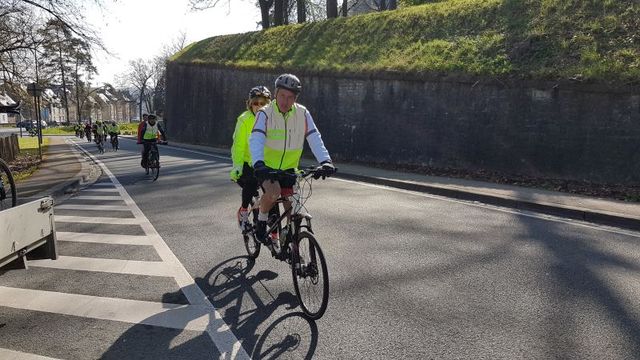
(289,82)
(259,91)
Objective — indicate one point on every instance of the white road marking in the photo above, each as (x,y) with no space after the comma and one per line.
(96,197)
(174,316)
(93,207)
(103,238)
(17,355)
(101,190)
(116,266)
(226,342)
(97,220)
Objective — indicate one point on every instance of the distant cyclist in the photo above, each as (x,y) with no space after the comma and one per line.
(148,136)
(114,130)
(277,141)
(242,171)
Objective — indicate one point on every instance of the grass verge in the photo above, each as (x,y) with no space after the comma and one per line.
(28,161)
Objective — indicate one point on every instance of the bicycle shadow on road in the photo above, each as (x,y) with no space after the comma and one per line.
(247,305)
(167,335)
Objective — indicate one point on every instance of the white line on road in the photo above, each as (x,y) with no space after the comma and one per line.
(17,355)
(97,220)
(174,316)
(96,197)
(103,238)
(219,332)
(116,266)
(93,207)
(105,190)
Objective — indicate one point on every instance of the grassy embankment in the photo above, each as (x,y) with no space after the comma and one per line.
(578,40)
(28,161)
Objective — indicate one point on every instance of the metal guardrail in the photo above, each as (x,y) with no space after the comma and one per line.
(27,230)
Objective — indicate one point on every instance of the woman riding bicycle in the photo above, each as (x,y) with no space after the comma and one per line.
(277,141)
(242,172)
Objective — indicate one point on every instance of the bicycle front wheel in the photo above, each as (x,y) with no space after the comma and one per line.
(310,276)
(154,160)
(8,197)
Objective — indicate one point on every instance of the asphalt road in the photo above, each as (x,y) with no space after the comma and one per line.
(412,275)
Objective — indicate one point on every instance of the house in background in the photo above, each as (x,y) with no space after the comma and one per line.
(7,118)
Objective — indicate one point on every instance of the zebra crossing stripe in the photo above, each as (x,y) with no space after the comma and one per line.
(103,238)
(97,197)
(17,355)
(97,220)
(174,316)
(115,266)
(92,207)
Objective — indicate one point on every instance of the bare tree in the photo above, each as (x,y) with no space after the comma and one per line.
(302,11)
(139,77)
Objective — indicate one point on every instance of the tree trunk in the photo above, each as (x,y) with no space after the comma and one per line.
(393,4)
(140,106)
(77,91)
(383,5)
(265,6)
(345,8)
(302,11)
(285,11)
(332,9)
(64,90)
(278,12)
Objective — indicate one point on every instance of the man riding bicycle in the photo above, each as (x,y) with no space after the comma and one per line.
(99,132)
(148,136)
(277,142)
(114,130)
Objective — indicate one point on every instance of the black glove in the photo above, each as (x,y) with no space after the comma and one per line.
(327,169)
(260,170)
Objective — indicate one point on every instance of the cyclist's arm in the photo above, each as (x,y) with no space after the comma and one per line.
(162,133)
(141,129)
(240,138)
(258,137)
(315,140)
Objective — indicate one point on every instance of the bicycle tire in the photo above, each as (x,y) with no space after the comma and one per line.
(251,244)
(8,196)
(303,276)
(154,159)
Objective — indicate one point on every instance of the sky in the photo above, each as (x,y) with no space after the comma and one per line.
(134,29)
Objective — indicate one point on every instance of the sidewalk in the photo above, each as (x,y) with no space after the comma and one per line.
(61,172)
(595,210)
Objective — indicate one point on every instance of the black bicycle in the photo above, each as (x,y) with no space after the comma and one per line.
(153,160)
(8,197)
(100,143)
(291,239)
(114,143)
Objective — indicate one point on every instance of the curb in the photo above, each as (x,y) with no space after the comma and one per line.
(581,214)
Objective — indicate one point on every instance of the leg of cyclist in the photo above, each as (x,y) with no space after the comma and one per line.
(271,194)
(249,185)
(146,147)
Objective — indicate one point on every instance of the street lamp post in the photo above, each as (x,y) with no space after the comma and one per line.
(35,90)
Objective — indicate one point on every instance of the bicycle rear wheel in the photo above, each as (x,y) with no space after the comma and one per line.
(310,276)
(8,197)
(251,244)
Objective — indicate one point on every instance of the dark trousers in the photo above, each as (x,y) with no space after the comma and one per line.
(249,185)
(147,145)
